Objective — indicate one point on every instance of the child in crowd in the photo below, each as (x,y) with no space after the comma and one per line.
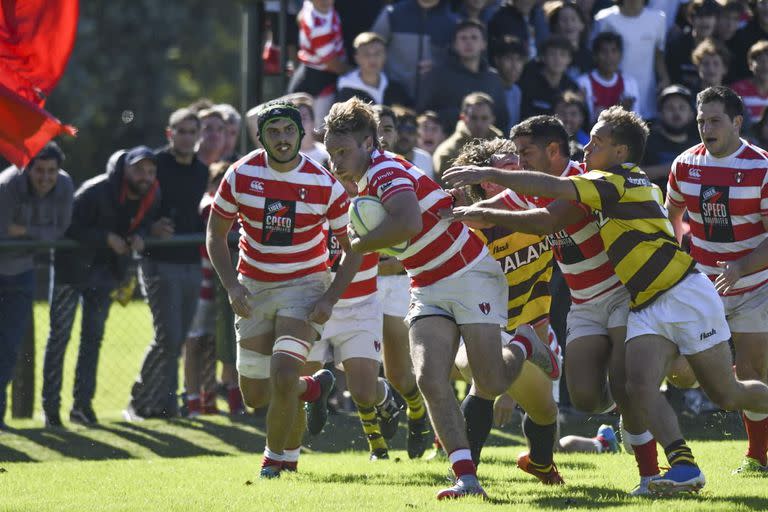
(429,131)
(510,59)
(754,90)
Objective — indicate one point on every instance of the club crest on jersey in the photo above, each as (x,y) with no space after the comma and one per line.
(485,308)
(739,176)
(257,186)
(303,193)
(377,345)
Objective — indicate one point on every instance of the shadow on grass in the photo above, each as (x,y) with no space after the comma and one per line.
(592,498)
(160,443)
(66,442)
(416,479)
(244,438)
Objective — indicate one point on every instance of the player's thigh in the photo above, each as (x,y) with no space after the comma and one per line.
(434,341)
(681,374)
(751,354)
(648,359)
(484,353)
(461,364)
(714,372)
(362,378)
(532,390)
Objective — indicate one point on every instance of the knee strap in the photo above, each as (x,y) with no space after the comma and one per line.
(293,347)
(252,364)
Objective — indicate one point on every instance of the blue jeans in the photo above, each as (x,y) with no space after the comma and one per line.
(16,297)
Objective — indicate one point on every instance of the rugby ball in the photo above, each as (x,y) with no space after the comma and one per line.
(366,213)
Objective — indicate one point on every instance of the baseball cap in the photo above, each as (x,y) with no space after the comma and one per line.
(138,154)
(672,90)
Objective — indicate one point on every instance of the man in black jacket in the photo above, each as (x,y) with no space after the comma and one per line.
(111,216)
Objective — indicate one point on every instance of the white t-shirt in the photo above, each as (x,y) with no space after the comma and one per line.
(318,153)
(643,35)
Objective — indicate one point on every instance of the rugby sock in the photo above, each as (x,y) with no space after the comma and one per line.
(679,453)
(461,463)
(646,454)
(272,458)
(756,425)
(599,443)
(291,459)
(524,344)
(478,415)
(371,427)
(235,400)
(416,409)
(312,392)
(541,439)
(208,400)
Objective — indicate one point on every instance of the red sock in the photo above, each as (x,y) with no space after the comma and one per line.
(313,390)
(602,441)
(647,458)
(461,462)
(266,461)
(525,343)
(757,434)
(291,465)
(235,400)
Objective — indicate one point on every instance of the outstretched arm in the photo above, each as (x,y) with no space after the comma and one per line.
(528,183)
(539,221)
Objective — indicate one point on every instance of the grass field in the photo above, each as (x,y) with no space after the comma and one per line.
(211,463)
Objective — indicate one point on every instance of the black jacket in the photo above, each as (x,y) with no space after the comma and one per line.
(99,209)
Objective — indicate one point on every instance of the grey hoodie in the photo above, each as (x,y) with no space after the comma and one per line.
(46,218)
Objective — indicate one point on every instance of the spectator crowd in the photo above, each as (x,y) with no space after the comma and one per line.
(441,72)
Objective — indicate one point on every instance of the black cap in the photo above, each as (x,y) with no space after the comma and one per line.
(675,90)
(138,154)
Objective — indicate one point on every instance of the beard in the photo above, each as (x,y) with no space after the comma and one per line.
(674,130)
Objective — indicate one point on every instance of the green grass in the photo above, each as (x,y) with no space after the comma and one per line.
(205,465)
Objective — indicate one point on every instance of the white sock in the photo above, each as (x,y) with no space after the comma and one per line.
(292,455)
(277,457)
(755,416)
(638,439)
(461,454)
(386,393)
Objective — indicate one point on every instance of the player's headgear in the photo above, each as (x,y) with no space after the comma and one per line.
(273,111)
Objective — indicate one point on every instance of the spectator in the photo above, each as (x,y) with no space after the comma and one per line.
(671,134)
(756,30)
(729,21)
(521,20)
(430,132)
(406,143)
(606,85)
(232,125)
(478,10)
(310,146)
(754,90)
(571,109)
(545,80)
(711,58)
(386,127)
(760,131)
(466,71)
(369,82)
(644,33)
(253,128)
(702,16)
(674,12)
(170,277)
(111,216)
(566,19)
(321,54)
(510,60)
(357,17)
(211,146)
(475,122)
(35,203)
(418,35)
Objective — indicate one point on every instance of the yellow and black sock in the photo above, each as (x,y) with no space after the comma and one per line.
(415,401)
(679,453)
(371,427)
(541,440)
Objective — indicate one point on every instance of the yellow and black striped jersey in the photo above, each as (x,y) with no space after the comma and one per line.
(527,263)
(636,232)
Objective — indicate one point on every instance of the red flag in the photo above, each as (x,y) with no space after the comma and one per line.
(36,39)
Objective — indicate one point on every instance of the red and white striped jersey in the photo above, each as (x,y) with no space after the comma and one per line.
(282,215)
(320,37)
(578,248)
(754,101)
(443,248)
(726,199)
(363,285)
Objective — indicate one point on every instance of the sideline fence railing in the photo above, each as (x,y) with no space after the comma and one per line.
(127,334)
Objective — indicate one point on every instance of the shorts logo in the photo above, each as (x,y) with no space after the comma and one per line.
(739,177)
(485,308)
(257,186)
(706,335)
(377,345)
(694,174)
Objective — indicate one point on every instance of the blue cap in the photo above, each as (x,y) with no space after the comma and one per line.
(138,154)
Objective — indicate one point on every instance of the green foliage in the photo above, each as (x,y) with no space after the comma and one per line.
(136,61)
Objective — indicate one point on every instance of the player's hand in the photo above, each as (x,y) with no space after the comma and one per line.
(239,298)
(117,244)
(355,241)
(322,311)
(459,197)
(503,409)
(137,243)
(390,266)
(732,272)
(466,175)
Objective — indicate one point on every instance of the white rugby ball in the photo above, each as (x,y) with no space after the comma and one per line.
(366,213)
